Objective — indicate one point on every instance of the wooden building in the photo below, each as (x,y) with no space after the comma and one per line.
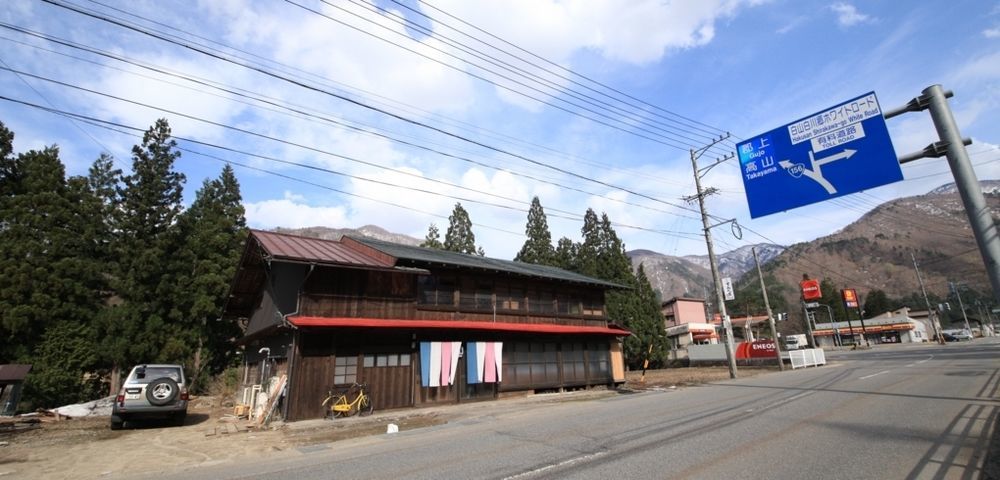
(419,326)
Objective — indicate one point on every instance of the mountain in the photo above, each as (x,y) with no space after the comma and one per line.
(873,253)
(370,231)
(691,276)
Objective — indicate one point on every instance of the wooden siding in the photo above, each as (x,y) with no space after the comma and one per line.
(342,292)
(390,386)
(309,385)
(315,371)
(555,363)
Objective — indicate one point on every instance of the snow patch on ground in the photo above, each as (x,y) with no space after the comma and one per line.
(96,408)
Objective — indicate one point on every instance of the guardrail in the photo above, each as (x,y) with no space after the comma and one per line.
(810,357)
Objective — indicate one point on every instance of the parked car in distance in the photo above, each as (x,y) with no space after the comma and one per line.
(948,337)
(962,335)
(151,391)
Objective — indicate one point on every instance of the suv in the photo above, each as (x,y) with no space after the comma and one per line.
(151,391)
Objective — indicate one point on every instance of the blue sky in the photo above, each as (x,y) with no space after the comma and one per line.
(358,137)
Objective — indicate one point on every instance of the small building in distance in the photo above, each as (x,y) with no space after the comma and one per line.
(897,326)
(686,323)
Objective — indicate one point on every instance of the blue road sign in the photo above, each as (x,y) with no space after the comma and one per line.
(832,153)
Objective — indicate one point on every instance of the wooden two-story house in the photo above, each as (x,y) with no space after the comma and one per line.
(420,326)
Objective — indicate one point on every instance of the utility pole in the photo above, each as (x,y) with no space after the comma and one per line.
(954,287)
(931,315)
(952,145)
(700,196)
(767,306)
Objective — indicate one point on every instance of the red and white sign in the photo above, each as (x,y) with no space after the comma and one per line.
(758,349)
(810,290)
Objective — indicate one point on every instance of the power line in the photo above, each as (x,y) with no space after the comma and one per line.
(99,122)
(302,113)
(667,140)
(712,131)
(589,99)
(344,98)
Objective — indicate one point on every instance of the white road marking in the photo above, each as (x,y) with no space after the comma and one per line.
(874,374)
(557,465)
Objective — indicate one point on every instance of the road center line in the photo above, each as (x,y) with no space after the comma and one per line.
(874,374)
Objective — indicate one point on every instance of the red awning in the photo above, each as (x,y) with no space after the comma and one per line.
(392,323)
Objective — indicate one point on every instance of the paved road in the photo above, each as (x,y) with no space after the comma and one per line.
(890,412)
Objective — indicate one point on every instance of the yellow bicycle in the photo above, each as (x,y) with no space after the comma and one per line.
(338,404)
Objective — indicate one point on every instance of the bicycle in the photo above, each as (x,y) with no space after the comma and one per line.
(337,404)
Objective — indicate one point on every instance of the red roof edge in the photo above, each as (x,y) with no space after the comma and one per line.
(389,323)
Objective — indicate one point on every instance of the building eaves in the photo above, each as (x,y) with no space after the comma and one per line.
(431,256)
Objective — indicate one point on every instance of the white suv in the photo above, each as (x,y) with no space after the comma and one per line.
(151,391)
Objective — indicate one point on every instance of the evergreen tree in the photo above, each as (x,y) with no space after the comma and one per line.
(214,230)
(831,297)
(146,223)
(537,246)
(102,183)
(877,303)
(459,237)
(588,251)
(602,255)
(640,310)
(566,255)
(433,238)
(613,263)
(10,164)
(48,277)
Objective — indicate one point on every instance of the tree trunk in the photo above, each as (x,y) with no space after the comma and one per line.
(116,379)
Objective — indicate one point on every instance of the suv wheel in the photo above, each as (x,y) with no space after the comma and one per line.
(162,391)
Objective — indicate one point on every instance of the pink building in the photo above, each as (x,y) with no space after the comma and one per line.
(686,322)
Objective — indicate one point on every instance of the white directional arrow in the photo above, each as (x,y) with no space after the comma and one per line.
(847,153)
(816,172)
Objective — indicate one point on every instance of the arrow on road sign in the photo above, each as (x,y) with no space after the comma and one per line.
(816,172)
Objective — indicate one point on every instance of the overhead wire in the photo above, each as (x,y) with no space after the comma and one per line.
(313,88)
(605,121)
(466,126)
(94,120)
(300,112)
(694,124)
(521,72)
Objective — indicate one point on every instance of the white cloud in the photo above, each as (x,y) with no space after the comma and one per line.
(792,25)
(992,32)
(637,32)
(848,15)
(292,212)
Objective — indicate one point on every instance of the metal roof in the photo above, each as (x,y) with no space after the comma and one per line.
(306,249)
(423,255)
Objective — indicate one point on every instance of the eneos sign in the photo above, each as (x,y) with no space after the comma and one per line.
(810,290)
(758,349)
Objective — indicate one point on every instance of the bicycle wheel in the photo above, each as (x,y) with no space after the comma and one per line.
(326,408)
(367,405)
(339,413)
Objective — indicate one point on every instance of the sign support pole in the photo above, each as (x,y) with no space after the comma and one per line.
(952,145)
